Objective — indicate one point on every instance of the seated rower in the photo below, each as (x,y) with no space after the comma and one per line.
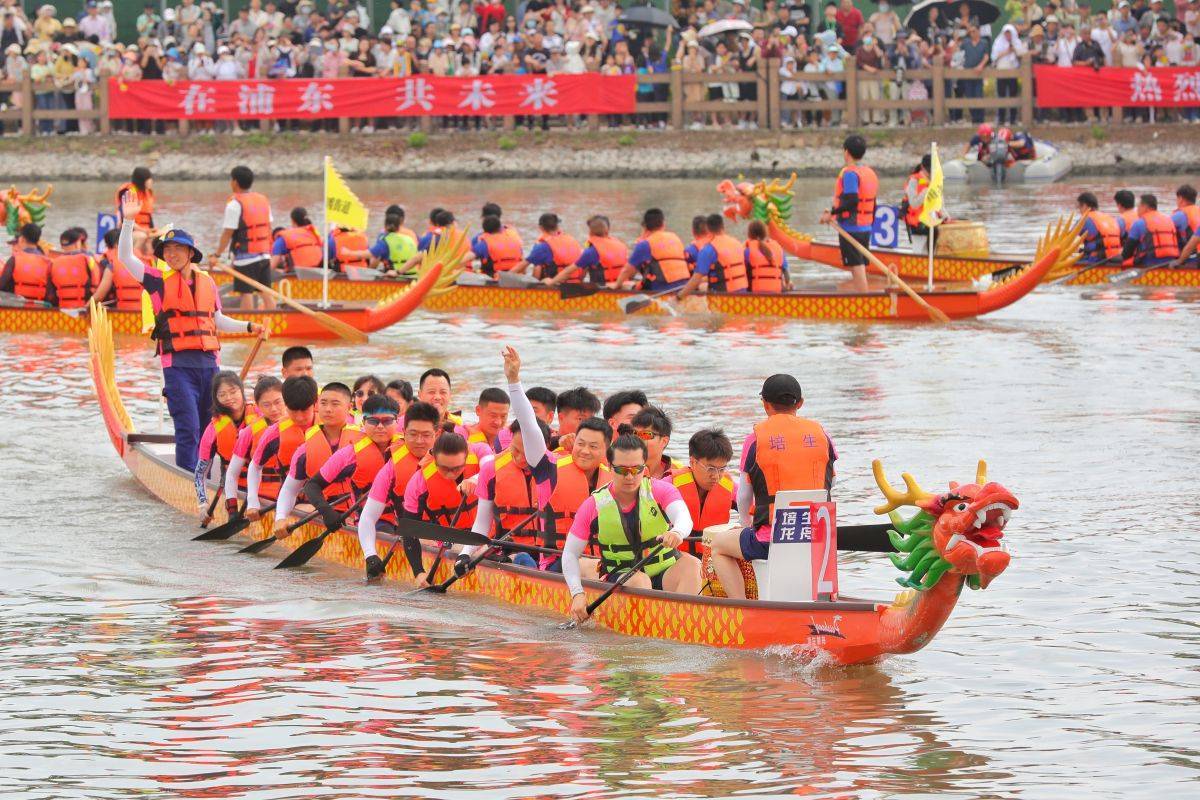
(122,288)
(365,387)
(330,434)
(765,260)
(297,246)
(578,475)
(603,257)
(704,484)
(296,362)
(268,399)
(543,401)
(401,391)
(434,388)
(348,249)
(1186,215)
(27,271)
(272,456)
(658,257)
(554,253)
(395,210)
(1126,209)
(1101,233)
(795,454)
(1152,238)
(653,426)
(230,414)
(498,248)
(490,428)
(700,237)
(422,424)
(73,272)
(440,220)
(573,407)
(621,407)
(443,491)
(356,464)
(721,265)
(393,248)
(625,519)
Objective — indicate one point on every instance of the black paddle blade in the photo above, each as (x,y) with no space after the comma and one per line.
(635,306)
(304,553)
(440,533)
(222,532)
(570,291)
(259,546)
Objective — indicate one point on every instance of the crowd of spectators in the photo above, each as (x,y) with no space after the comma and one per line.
(191,39)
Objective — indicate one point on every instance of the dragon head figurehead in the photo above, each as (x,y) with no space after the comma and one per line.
(959,531)
(766,202)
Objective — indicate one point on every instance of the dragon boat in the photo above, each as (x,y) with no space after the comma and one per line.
(368,316)
(1055,253)
(953,539)
(771,203)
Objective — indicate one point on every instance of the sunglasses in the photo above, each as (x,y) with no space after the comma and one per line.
(364,393)
(380,421)
(645,435)
(629,471)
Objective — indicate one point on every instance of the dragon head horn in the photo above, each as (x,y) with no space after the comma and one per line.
(913,494)
(981,473)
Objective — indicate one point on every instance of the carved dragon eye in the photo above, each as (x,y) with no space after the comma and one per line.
(961,506)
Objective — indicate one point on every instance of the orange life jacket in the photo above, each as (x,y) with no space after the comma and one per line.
(31,274)
(1130,216)
(257,428)
(698,245)
(729,273)
(1192,213)
(613,254)
(868,190)
(792,453)
(227,431)
(126,289)
(668,259)
(275,469)
(515,499)
(570,490)
(303,245)
(145,217)
(74,277)
(317,451)
(349,240)
(912,216)
(369,459)
(440,501)
(187,319)
(1106,243)
(253,234)
(718,502)
(1160,242)
(564,250)
(504,251)
(765,276)
(404,466)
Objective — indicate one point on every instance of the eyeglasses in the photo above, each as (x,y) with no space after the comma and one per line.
(645,434)
(629,471)
(380,422)
(451,470)
(365,393)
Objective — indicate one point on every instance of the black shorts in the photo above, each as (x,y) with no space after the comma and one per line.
(259,271)
(850,256)
(656,582)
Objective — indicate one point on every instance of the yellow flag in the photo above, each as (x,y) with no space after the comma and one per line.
(933,197)
(342,206)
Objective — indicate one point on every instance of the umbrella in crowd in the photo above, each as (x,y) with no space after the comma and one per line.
(724,26)
(647,17)
(981,10)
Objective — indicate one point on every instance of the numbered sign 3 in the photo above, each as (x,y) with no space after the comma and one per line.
(885,232)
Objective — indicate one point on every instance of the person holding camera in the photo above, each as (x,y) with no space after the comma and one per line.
(1087,54)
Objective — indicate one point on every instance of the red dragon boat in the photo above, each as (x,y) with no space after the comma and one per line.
(954,539)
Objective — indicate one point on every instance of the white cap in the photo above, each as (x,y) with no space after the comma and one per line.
(222,50)
(386,30)
(199,48)
(790,30)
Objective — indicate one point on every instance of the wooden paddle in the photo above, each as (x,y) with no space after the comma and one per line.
(342,329)
(253,355)
(263,544)
(499,541)
(304,553)
(621,581)
(231,528)
(635,303)
(1073,274)
(212,507)
(1128,275)
(571,291)
(935,314)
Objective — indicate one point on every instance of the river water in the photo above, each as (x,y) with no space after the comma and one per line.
(139,663)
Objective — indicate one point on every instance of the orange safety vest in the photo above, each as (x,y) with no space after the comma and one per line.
(729,273)
(187,320)
(868,190)
(227,431)
(31,274)
(668,259)
(257,428)
(404,466)
(570,490)
(1106,243)
(564,251)
(145,217)
(1160,242)
(440,501)
(368,460)
(613,255)
(765,276)
(515,498)
(791,453)
(912,217)
(317,451)
(1192,213)
(303,245)
(349,240)
(275,469)
(504,251)
(717,503)
(74,277)
(253,234)
(126,289)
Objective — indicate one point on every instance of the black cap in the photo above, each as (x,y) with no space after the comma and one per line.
(782,390)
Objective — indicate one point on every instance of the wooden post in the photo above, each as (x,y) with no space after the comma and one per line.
(676,91)
(1027,95)
(510,123)
(774,94)
(593,122)
(939,92)
(852,95)
(27,106)
(761,114)
(343,126)
(426,123)
(105,123)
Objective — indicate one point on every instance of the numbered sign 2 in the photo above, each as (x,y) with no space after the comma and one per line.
(885,232)
(105,222)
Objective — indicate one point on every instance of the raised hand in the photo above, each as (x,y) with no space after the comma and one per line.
(512,365)
(131,205)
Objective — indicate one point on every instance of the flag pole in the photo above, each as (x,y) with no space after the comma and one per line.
(325,235)
(932,228)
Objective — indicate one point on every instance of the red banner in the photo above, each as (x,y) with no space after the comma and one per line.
(1117,87)
(414,96)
